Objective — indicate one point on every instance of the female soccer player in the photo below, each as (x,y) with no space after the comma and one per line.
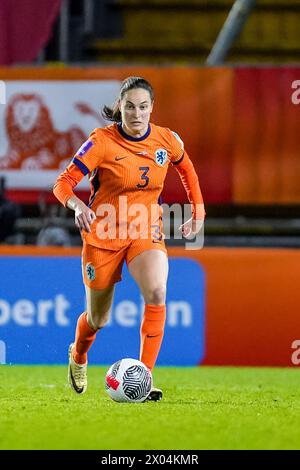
(127,162)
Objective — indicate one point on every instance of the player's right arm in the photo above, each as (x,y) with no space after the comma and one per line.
(84,216)
(85,160)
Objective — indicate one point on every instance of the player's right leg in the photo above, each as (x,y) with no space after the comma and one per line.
(98,308)
(101,269)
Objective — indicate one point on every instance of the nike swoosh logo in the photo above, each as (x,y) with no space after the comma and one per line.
(121,158)
(77,389)
(152,336)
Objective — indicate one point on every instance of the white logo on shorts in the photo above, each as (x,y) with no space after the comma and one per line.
(90,271)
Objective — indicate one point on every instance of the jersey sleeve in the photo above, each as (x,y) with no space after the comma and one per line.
(91,153)
(185,168)
(177,148)
(190,181)
(66,182)
(88,157)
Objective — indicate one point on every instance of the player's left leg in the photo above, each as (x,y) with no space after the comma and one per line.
(150,271)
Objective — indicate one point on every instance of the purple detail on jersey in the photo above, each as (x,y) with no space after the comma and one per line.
(95,182)
(133,139)
(84,148)
(178,161)
(84,169)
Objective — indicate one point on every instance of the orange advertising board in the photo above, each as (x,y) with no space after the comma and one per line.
(252,304)
(252,300)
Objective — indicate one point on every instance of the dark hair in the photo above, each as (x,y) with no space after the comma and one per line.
(130,83)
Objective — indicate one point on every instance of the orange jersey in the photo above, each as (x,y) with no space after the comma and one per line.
(125,170)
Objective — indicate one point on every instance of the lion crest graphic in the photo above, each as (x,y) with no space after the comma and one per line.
(33,141)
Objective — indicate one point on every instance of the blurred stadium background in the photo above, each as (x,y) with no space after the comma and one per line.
(233,98)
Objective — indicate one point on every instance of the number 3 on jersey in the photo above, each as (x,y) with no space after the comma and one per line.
(144,176)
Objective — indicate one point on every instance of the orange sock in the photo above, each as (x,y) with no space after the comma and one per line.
(84,338)
(152,332)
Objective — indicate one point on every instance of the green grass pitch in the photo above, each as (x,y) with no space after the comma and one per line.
(202,408)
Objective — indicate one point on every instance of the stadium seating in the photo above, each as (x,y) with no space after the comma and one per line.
(183,31)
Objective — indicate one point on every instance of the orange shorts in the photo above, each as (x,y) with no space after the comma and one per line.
(102,268)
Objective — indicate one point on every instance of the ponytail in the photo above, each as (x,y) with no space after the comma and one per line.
(111,114)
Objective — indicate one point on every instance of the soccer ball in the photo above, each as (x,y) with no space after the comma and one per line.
(128,380)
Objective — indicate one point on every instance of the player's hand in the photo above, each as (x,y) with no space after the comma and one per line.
(84,217)
(191,227)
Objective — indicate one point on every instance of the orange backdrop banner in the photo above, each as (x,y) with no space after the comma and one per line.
(191,101)
(240,126)
(266,144)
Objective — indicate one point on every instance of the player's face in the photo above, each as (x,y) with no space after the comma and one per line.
(136,108)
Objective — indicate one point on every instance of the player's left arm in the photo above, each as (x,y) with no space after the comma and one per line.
(190,181)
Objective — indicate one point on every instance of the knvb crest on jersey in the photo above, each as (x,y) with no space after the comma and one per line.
(161,156)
